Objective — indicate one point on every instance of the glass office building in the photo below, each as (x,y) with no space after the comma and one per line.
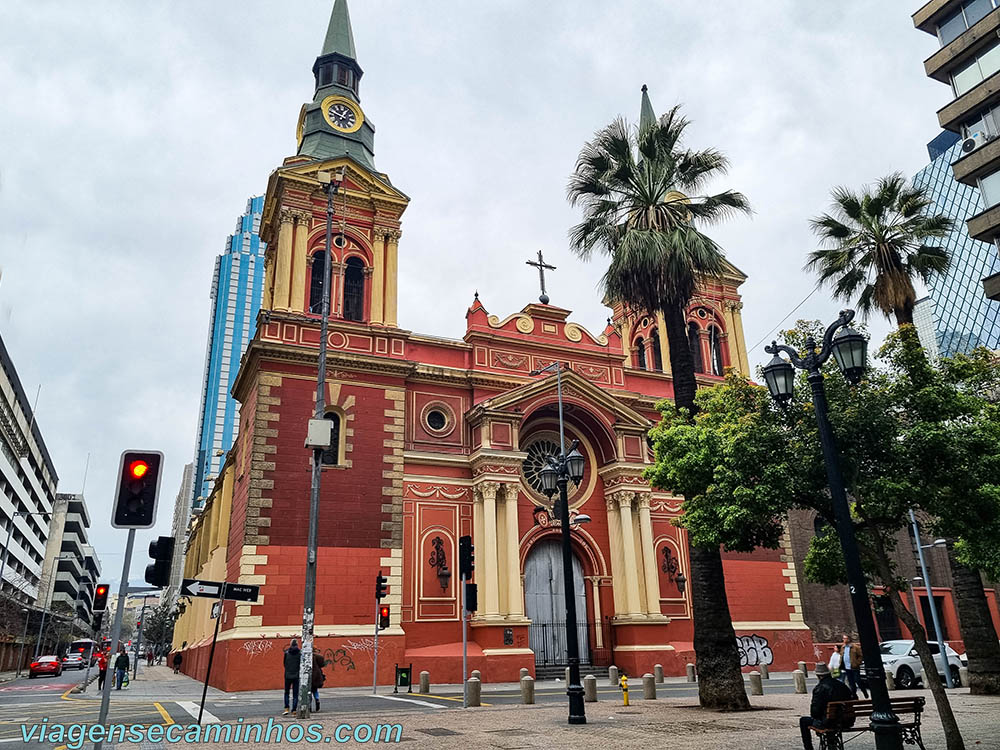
(237,286)
(964,318)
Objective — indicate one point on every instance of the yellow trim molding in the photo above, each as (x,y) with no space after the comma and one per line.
(359,116)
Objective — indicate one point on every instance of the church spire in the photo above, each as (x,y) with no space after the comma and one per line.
(339,37)
(647,117)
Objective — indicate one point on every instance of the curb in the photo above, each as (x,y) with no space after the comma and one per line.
(84,685)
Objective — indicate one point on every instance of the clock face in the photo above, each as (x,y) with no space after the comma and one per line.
(342,116)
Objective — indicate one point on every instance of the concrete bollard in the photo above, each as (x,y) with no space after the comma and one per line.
(690,672)
(525,672)
(923,679)
(803,668)
(963,676)
(800,681)
(475,690)
(613,676)
(477,674)
(527,690)
(765,673)
(648,687)
(890,681)
(658,673)
(756,685)
(590,689)
(425,680)
(567,668)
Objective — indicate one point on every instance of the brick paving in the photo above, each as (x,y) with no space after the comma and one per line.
(673,723)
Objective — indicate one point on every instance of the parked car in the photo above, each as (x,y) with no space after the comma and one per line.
(45,665)
(73,661)
(901,661)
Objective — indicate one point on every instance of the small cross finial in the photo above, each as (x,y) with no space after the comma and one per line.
(476,296)
(644,88)
(542,267)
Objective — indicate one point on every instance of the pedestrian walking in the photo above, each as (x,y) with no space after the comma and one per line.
(317,678)
(102,669)
(292,659)
(121,668)
(149,658)
(853,660)
(178,658)
(827,691)
(836,663)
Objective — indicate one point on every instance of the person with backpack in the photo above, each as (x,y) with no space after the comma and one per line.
(317,678)
(291,662)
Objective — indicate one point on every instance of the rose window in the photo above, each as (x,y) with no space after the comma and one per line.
(539,453)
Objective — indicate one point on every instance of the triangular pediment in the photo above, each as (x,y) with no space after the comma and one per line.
(374,183)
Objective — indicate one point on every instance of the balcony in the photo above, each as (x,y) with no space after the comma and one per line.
(981,162)
(986,225)
(940,65)
(991,286)
(930,14)
(984,95)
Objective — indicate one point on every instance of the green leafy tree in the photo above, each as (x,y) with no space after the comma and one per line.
(909,436)
(639,190)
(876,244)
(158,627)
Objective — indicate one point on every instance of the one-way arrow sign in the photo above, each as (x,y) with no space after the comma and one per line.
(208,589)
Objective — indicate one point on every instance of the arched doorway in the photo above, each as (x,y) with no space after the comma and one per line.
(545,603)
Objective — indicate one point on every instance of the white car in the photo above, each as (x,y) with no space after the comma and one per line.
(72,661)
(901,661)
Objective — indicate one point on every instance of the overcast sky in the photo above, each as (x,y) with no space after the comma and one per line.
(132,134)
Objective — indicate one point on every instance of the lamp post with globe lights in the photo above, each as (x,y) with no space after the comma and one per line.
(849,348)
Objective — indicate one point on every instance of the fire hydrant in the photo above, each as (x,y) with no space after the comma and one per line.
(623,684)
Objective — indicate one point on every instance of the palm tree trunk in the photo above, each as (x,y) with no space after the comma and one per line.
(904,314)
(720,680)
(976,625)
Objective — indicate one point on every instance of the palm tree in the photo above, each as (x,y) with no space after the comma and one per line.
(638,188)
(876,245)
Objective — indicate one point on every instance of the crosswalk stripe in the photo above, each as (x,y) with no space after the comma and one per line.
(192,708)
(409,700)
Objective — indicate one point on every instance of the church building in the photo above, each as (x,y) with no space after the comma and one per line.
(436,438)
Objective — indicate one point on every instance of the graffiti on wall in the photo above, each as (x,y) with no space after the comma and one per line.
(339,657)
(754,650)
(256,648)
(365,646)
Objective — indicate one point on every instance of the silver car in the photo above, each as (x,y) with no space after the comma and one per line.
(72,661)
(901,661)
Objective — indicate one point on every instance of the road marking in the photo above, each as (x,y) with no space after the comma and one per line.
(409,700)
(192,708)
(163,713)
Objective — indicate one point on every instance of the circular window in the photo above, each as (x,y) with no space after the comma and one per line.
(702,313)
(436,420)
(539,453)
(340,241)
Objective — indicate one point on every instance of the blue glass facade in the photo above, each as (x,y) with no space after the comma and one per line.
(237,286)
(964,317)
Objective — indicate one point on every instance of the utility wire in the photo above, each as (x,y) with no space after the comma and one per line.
(790,313)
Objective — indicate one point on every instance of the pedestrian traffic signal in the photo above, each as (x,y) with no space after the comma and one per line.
(466,557)
(471,597)
(380,583)
(100,598)
(383,617)
(138,490)
(162,552)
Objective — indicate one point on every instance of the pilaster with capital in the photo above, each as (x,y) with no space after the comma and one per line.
(515,598)
(303,222)
(391,275)
(269,260)
(617,555)
(283,266)
(489,561)
(648,556)
(633,600)
(378,277)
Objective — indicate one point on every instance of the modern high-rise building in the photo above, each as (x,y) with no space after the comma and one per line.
(237,286)
(925,323)
(969,62)
(178,530)
(963,317)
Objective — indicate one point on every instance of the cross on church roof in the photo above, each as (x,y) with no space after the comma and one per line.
(542,267)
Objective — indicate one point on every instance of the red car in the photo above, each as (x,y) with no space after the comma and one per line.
(45,665)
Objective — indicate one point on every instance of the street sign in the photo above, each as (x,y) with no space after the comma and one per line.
(242,592)
(209,589)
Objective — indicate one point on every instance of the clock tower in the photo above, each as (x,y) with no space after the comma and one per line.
(333,123)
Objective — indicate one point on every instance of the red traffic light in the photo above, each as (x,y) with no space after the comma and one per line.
(384,612)
(102,590)
(138,469)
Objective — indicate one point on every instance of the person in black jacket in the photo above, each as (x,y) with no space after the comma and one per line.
(827,691)
(121,667)
(293,658)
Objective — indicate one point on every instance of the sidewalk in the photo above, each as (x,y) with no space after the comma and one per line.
(157,683)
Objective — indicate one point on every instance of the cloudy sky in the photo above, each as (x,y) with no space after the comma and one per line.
(132,134)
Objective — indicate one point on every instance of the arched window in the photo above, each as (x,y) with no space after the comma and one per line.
(640,353)
(331,456)
(354,289)
(715,348)
(657,354)
(316,284)
(694,344)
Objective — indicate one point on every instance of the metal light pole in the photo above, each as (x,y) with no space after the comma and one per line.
(849,348)
(942,646)
(24,637)
(556,476)
(333,184)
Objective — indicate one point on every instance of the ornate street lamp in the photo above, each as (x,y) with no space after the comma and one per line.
(849,348)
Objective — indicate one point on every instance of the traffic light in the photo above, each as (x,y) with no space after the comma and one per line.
(96,621)
(162,552)
(471,597)
(137,491)
(466,557)
(380,582)
(100,598)
(383,617)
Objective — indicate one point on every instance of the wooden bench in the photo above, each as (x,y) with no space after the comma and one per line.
(842,715)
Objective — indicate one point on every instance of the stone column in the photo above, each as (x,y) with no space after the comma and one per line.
(378,278)
(391,271)
(617,557)
(661,328)
(478,533)
(634,606)
(595,582)
(515,600)
(488,563)
(283,269)
(298,296)
(269,260)
(648,556)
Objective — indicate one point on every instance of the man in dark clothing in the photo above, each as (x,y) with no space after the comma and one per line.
(827,691)
(177,662)
(121,667)
(317,678)
(292,660)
